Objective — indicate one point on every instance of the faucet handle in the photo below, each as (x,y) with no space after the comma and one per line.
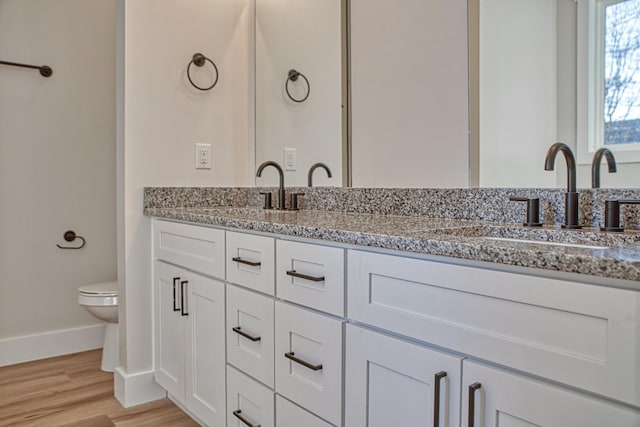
(612,213)
(533,210)
(267,200)
(293,206)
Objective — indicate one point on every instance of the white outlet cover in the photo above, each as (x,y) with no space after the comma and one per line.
(289,159)
(203,156)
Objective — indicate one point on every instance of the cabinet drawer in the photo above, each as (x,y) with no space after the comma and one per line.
(394,382)
(250,339)
(291,415)
(194,247)
(248,402)
(251,261)
(314,340)
(311,275)
(501,398)
(578,334)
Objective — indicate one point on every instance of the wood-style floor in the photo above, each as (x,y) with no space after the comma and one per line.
(72,391)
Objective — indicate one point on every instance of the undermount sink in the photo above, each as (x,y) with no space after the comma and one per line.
(540,242)
(592,239)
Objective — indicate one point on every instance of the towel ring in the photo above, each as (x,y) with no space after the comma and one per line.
(199,60)
(70,236)
(293,76)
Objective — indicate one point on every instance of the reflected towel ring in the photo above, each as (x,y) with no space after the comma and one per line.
(70,236)
(293,76)
(199,60)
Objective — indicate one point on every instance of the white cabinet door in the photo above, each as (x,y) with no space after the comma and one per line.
(250,339)
(249,403)
(169,330)
(390,382)
(309,360)
(503,399)
(251,261)
(204,349)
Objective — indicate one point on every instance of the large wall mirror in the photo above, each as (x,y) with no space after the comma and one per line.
(300,89)
(529,87)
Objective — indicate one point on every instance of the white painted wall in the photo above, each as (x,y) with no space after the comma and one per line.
(304,35)
(409,78)
(161,117)
(57,161)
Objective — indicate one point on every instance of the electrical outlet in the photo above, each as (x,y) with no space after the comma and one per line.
(289,159)
(203,156)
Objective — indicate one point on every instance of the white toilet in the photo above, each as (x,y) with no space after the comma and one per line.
(101,300)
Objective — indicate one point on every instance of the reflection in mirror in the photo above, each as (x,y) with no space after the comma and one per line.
(528,91)
(298,92)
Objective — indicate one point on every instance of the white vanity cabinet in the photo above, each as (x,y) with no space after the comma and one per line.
(392,382)
(495,397)
(190,362)
(189,319)
(320,335)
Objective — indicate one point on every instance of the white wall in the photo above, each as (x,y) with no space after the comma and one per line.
(161,117)
(57,161)
(304,35)
(409,77)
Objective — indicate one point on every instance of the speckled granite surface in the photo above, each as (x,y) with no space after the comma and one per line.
(476,204)
(450,237)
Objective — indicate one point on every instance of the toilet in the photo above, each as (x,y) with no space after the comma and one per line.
(101,300)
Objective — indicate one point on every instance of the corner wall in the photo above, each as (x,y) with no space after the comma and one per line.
(161,118)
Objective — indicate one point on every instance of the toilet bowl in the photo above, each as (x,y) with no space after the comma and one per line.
(101,300)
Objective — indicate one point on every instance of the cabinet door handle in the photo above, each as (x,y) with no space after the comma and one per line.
(244,261)
(237,413)
(472,402)
(304,276)
(436,401)
(304,363)
(182,305)
(175,280)
(238,330)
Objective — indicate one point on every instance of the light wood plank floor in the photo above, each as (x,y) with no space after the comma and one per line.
(72,391)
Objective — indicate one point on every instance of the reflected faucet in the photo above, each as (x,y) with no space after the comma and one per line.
(281,201)
(595,165)
(314,167)
(571,196)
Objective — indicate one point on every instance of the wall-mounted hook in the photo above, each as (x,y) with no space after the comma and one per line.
(71,236)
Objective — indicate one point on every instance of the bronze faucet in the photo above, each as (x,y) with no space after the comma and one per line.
(571,196)
(595,165)
(314,167)
(281,201)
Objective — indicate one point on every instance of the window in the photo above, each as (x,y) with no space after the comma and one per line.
(614,76)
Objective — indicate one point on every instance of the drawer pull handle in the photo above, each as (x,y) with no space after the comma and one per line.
(244,261)
(175,280)
(182,305)
(237,413)
(304,363)
(304,276)
(436,390)
(238,330)
(472,402)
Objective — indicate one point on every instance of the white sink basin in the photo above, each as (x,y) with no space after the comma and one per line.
(540,242)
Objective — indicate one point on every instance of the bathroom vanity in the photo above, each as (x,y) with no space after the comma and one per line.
(315,318)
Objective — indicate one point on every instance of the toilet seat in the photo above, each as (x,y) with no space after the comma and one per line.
(99,294)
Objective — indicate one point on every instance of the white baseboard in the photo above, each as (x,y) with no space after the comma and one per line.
(50,344)
(136,389)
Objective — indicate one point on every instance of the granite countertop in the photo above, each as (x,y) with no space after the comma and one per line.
(617,257)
